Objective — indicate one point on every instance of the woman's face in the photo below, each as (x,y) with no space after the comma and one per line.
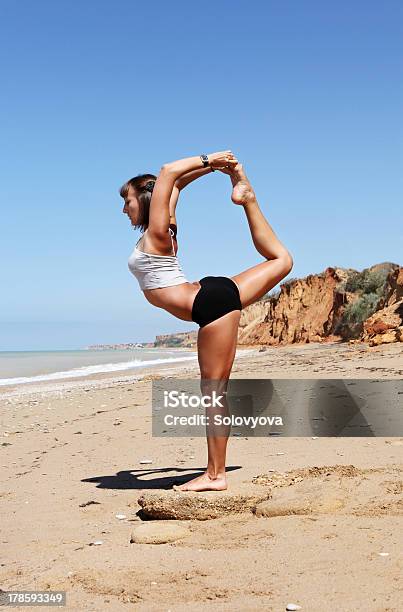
(131,207)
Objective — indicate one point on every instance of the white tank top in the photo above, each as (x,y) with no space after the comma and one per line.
(156,271)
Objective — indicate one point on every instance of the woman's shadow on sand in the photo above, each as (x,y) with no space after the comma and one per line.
(137,479)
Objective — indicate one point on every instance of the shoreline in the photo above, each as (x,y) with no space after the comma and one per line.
(286,361)
(104,379)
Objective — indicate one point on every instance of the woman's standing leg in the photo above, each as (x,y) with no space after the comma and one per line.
(217,341)
(216,345)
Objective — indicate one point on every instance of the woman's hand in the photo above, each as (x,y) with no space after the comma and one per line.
(226,170)
(222,159)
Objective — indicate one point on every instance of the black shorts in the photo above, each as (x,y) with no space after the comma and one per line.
(217,296)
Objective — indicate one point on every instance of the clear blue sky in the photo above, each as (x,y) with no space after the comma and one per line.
(307,94)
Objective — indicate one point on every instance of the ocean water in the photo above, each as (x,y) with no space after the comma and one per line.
(19,367)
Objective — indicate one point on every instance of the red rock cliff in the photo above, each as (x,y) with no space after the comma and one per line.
(306,310)
(312,309)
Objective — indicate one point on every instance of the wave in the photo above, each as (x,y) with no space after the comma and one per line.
(94,369)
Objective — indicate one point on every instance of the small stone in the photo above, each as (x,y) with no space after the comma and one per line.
(314,438)
(96,543)
(143,461)
(383,554)
(121,517)
(292,606)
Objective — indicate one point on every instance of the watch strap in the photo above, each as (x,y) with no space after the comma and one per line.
(206,162)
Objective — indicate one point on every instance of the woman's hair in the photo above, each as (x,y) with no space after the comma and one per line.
(141,184)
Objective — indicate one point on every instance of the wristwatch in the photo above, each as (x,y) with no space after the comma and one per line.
(205,161)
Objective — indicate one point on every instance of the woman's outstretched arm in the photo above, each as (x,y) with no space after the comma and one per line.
(183,166)
(191,176)
(159,216)
(180,184)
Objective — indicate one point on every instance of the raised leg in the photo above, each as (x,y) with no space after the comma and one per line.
(216,345)
(254,282)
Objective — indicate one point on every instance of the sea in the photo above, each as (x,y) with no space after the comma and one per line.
(20,367)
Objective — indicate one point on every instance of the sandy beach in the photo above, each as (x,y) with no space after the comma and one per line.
(72,478)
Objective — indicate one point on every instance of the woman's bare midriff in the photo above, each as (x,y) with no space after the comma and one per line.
(178,300)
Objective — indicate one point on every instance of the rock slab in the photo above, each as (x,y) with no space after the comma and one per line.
(303,498)
(202,506)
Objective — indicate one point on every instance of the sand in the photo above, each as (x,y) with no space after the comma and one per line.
(71,462)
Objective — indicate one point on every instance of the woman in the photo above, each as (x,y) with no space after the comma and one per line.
(214,302)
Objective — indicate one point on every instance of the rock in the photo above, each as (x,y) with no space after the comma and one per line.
(386,324)
(305,310)
(180,339)
(158,533)
(311,309)
(282,507)
(304,497)
(329,498)
(189,505)
(395,336)
(395,286)
(293,607)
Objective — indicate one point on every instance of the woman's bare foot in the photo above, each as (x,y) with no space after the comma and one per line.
(204,483)
(242,192)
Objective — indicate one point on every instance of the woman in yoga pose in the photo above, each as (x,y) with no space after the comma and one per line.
(214,302)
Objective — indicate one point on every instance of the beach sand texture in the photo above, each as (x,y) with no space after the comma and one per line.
(313,521)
